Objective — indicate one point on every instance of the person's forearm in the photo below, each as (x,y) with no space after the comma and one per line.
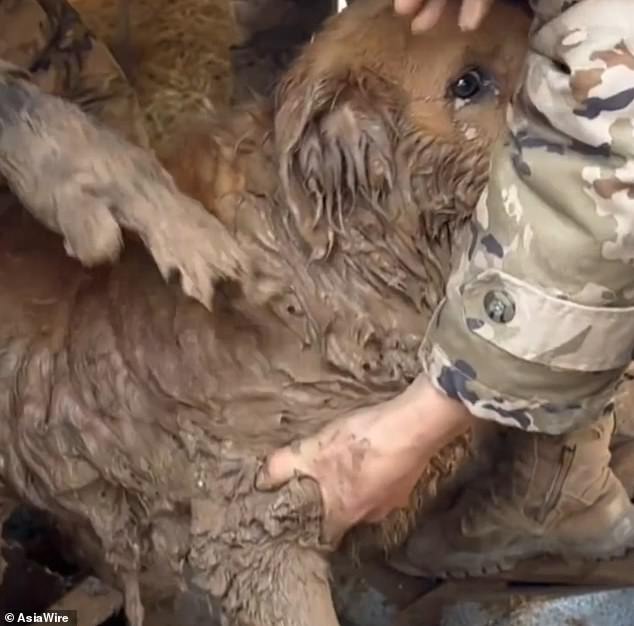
(427,417)
(539,320)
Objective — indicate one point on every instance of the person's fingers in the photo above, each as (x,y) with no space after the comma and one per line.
(280,467)
(428,16)
(407,7)
(295,459)
(473,12)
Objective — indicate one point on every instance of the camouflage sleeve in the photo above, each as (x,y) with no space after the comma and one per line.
(538,322)
(47,39)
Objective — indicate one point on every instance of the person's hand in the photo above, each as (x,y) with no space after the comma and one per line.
(428,12)
(368,463)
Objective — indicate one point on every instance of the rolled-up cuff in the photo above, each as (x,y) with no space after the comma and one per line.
(497,385)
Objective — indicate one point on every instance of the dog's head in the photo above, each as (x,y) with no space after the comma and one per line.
(374,117)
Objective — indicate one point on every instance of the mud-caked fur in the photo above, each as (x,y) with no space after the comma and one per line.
(140,419)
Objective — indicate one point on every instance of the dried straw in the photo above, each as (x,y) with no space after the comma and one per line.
(178,59)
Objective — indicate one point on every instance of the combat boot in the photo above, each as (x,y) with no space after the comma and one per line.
(271,33)
(622,446)
(556,496)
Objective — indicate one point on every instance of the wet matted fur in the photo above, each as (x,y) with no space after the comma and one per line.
(139,419)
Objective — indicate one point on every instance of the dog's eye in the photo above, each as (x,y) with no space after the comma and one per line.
(469,85)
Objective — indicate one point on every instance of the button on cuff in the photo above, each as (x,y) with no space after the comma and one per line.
(532,325)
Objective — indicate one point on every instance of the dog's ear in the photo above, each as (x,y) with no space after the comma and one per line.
(336,138)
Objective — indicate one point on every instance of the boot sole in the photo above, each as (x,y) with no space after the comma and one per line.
(615,543)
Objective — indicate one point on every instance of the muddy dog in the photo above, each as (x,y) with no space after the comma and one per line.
(139,419)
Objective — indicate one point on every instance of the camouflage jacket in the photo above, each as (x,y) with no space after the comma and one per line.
(44,41)
(538,322)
